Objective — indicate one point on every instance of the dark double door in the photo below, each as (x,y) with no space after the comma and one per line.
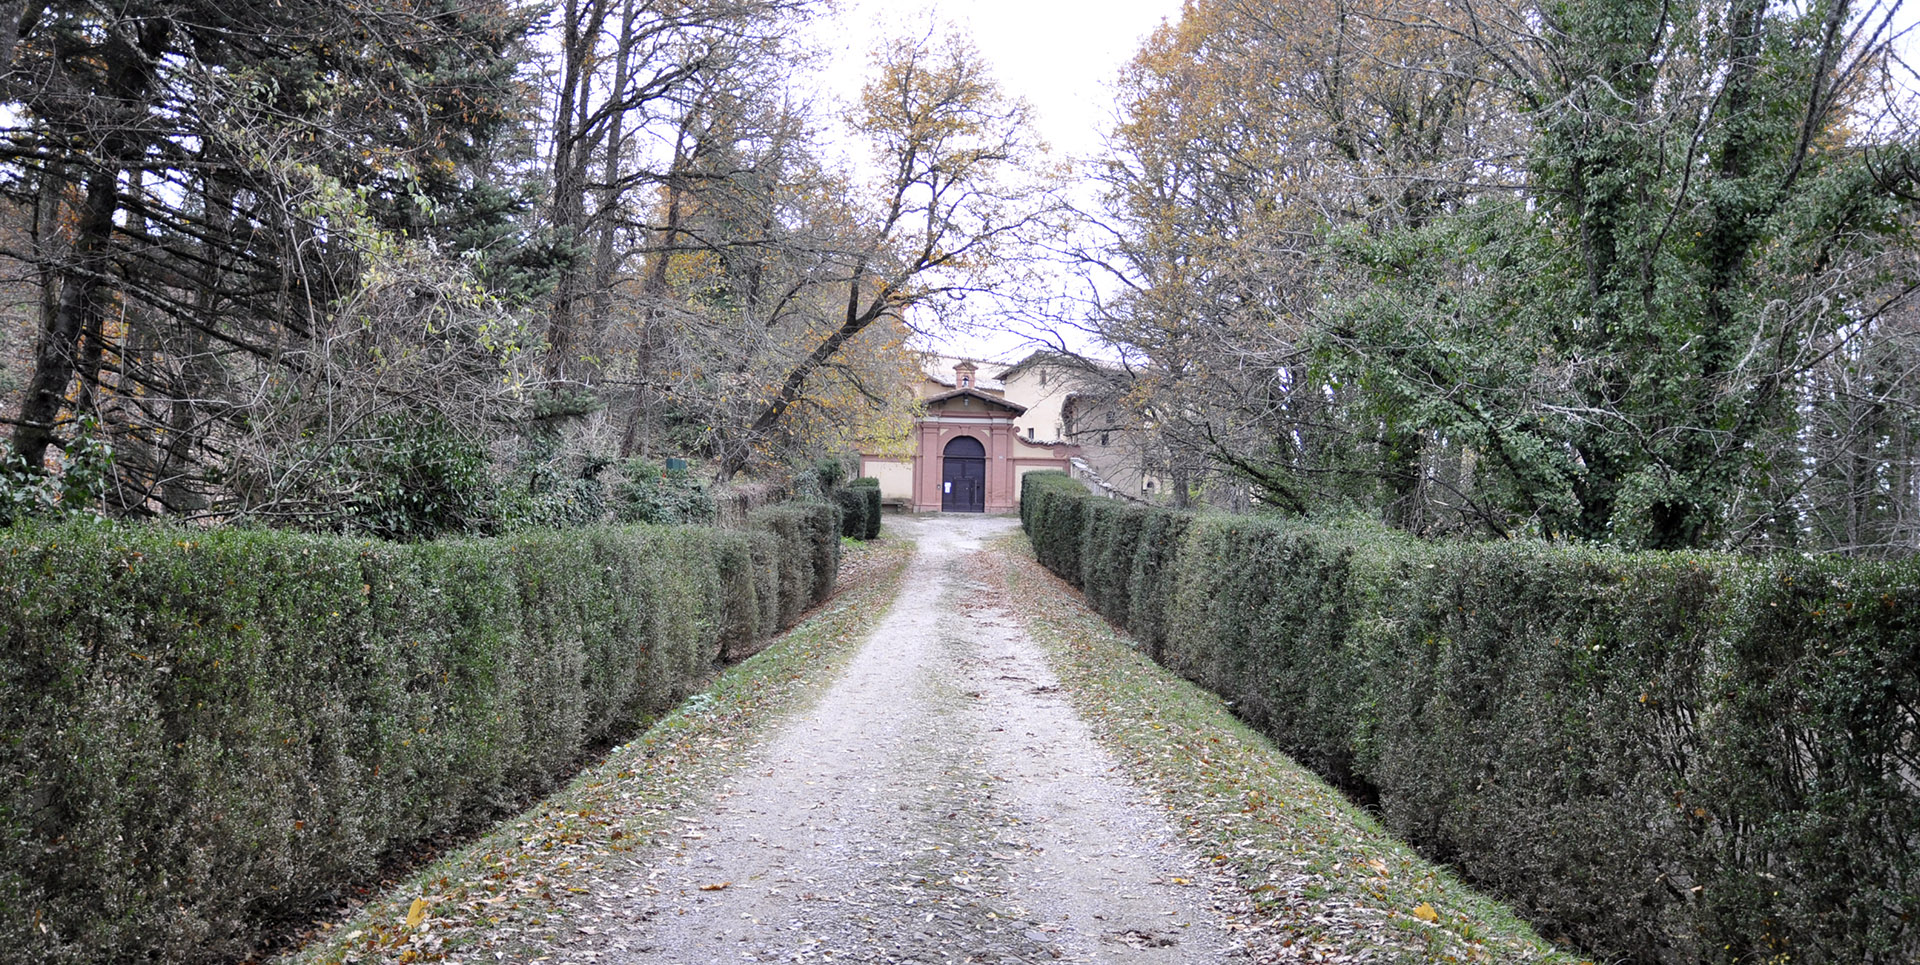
(963,477)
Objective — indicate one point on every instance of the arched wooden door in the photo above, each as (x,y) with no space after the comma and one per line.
(963,476)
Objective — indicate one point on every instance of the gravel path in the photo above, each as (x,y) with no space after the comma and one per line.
(941,803)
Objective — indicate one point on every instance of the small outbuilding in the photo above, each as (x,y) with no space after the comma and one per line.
(969,453)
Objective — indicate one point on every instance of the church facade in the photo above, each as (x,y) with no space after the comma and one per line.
(972,446)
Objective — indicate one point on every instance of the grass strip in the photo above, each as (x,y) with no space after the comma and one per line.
(1320,875)
(523,891)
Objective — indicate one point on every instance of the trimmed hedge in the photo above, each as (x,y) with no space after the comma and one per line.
(869,487)
(1054,523)
(1658,757)
(202,731)
(859,512)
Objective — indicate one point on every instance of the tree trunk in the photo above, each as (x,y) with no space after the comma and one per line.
(604,256)
(57,356)
(571,148)
(639,435)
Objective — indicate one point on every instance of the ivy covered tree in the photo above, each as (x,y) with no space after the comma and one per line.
(1581,269)
(1247,130)
(1627,340)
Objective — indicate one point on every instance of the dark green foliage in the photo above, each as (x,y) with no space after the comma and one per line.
(485,224)
(859,509)
(86,473)
(1660,757)
(1149,587)
(822,534)
(546,490)
(1051,514)
(765,548)
(201,731)
(647,493)
(870,487)
(562,504)
(809,536)
(1671,272)
(1109,539)
(830,471)
(415,477)
(853,512)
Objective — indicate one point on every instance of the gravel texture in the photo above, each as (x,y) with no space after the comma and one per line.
(942,802)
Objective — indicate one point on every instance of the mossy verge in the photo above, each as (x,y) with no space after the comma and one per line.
(523,890)
(1320,874)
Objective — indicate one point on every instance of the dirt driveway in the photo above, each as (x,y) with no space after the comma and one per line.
(941,803)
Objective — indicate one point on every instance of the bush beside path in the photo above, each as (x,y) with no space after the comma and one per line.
(1311,873)
(960,766)
(537,887)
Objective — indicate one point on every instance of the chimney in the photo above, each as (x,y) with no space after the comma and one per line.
(963,375)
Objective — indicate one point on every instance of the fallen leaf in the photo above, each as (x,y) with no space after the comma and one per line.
(719,887)
(417,913)
(1425,912)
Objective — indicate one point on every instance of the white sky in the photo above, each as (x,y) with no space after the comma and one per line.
(1061,56)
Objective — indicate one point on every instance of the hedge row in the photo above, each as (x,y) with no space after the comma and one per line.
(203,731)
(859,508)
(1659,757)
(869,487)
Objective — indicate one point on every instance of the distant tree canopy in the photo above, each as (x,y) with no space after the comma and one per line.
(289,260)
(1629,272)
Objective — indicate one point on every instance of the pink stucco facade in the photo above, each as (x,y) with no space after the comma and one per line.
(988,420)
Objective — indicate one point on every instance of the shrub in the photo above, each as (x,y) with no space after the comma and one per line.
(417,478)
(869,487)
(77,489)
(859,509)
(1109,539)
(809,536)
(1660,757)
(1050,509)
(557,504)
(648,493)
(853,512)
(201,731)
(1148,584)
(830,471)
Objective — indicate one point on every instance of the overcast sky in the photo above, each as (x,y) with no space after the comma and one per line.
(1061,56)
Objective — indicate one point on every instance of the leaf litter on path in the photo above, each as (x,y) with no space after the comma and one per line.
(1317,878)
(979,820)
(521,893)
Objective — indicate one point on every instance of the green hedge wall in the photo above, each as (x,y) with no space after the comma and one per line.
(859,511)
(1667,758)
(853,512)
(805,555)
(869,488)
(201,731)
